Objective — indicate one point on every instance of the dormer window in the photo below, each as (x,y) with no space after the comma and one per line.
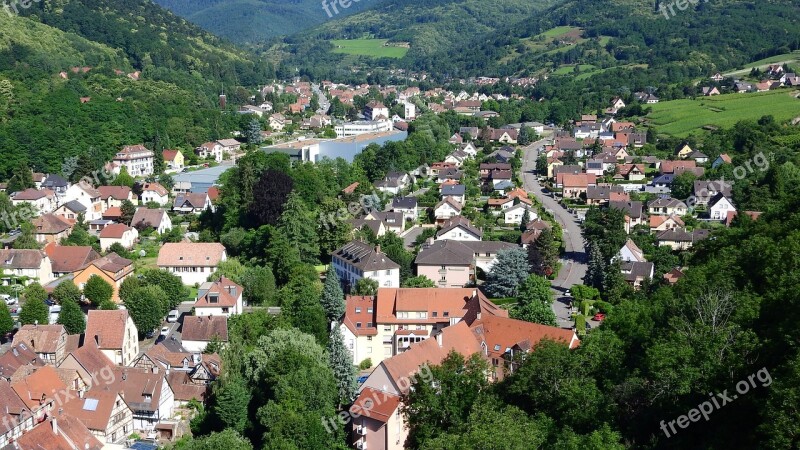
(213,298)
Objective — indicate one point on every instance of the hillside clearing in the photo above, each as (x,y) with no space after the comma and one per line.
(375,48)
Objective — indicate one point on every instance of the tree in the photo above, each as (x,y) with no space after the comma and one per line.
(543,254)
(366,286)
(231,402)
(6,321)
(420,281)
(525,135)
(72,317)
(35,291)
(507,273)
(606,227)
(79,234)
(128,288)
(298,223)
(67,291)
(269,195)
(259,285)
(395,248)
(169,283)
(534,301)
(253,132)
(127,210)
(26,239)
(108,306)
(117,248)
(304,310)
(21,180)
(682,186)
(227,439)
(541,165)
(334,227)
(147,306)
(341,361)
(282,256)
(97,290)
(34,310)
(124,178)
(595,272)
(526,218)
(332,296)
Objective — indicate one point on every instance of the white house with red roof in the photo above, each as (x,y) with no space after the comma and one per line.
(222,298)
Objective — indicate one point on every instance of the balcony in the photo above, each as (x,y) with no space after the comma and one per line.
(361,444)
(361,430)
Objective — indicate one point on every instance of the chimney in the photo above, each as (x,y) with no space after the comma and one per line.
(439,339)
(378,249)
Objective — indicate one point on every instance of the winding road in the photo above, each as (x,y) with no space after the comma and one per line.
(573,261)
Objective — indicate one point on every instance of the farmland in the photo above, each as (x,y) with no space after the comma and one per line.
(689,116)
(375,48)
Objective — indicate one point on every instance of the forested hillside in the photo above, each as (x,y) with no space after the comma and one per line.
(254,21)
(68,93)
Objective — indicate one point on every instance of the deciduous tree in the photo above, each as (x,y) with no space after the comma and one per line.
(97,290)
(72,317)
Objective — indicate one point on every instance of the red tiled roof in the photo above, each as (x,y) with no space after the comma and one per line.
(67,258)
(40,385)
(226,292)
(115,192)
(106,328)
(114,231)
(50,224)
(364,317)
(198,328)
(375,404)
(40,338)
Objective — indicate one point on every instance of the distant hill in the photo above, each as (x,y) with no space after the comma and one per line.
(255,21)
(91,76)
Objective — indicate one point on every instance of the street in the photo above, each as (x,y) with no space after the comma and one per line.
(573,262)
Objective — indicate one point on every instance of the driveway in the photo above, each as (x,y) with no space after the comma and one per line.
(573,261)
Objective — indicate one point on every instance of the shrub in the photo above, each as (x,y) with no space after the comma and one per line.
(365,364)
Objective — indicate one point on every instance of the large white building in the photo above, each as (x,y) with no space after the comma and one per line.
(137,159)
(193,262)
(358,260)
(361,127)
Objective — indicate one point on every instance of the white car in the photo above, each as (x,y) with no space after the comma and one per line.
(165,331)
(8,299)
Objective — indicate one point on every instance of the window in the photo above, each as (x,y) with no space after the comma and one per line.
(225,310)
(435,314)
(388,272)
(497,347)
(369,324)
(369,338)
(358,310)
(387,328)
(369,350)
(369,310)
(446,314)
(358,324)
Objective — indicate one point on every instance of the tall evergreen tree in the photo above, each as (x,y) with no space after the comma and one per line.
(332,296)
(341,361)
(507,273)
(127,210)
(253,132)
(526,217)
(299,224)
(72,317)
(543,254)
(6,321)
(595,272)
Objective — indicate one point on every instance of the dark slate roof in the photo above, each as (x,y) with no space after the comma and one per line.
(404,202)
(632,209)
(365,257)
(54,181)
(453,189)
(633,270)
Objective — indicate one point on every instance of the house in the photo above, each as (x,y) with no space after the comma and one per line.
(392,221)
(192,203)
(449,174)
(457,192)
(682,151)
(114,334)
(516,214)
(708,91)
(501,180)
(663,182)
(173,159)
(230,147)
(753,215)
(89,363)
(87,196)
(667,206)
(112,268)
(452,263)
(198,331)
(57,184)
(661,223)
(680,238)
(601,194)
(222,298)
(407,206)
(70,210)
(670,166)
(700,157)
(49,342)
(15,418)
(721,159)
(15,357)
(646,98)
(118,233)
(113,196)
(446,209)
(374,109)
(49,228)
(155,193)
(38,390)
(743,87)
(147,393)
(634,213)
(28,265)
(717,77)
(66,259)
(42,201)
(576,185)
(719,207)
(104,412)
(674,275)
(137,159)
(393,182)
(193,262)
(459,228)
(705,190)
(631,172)
(636,272)
(210,150)
(158,219)
(631,252)
(357,260)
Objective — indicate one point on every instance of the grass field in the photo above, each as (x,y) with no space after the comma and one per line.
(368,47)
(559,31)
(684,117)
(566,70)
(789,58)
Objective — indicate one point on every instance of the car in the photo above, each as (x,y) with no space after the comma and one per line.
(568,293)
(173,315)
(165,331)
(599,317)
(362,379)
(8,299)
(49,302)
(150,334)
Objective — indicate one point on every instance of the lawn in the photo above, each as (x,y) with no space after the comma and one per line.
(559,31)
(789,58)
(684,117)
(566,70)
(368,47)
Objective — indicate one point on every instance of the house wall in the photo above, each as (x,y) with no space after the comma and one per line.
(205,311)
(194,346)
(458,234)
(152,196)
(120,425)
(380,380)
(16,431)
(191,275)
(452,276)
(82,276)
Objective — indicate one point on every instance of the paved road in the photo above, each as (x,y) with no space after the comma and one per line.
(324,104)
(573,262)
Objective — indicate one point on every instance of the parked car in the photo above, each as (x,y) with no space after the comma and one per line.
(8,299)
(173,315)
(599,317)
(165,331)
(362,379)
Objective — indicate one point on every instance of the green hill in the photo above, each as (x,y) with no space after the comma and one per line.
(50,109)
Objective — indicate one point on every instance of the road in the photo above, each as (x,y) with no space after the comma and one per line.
(573,262)
(324,104)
